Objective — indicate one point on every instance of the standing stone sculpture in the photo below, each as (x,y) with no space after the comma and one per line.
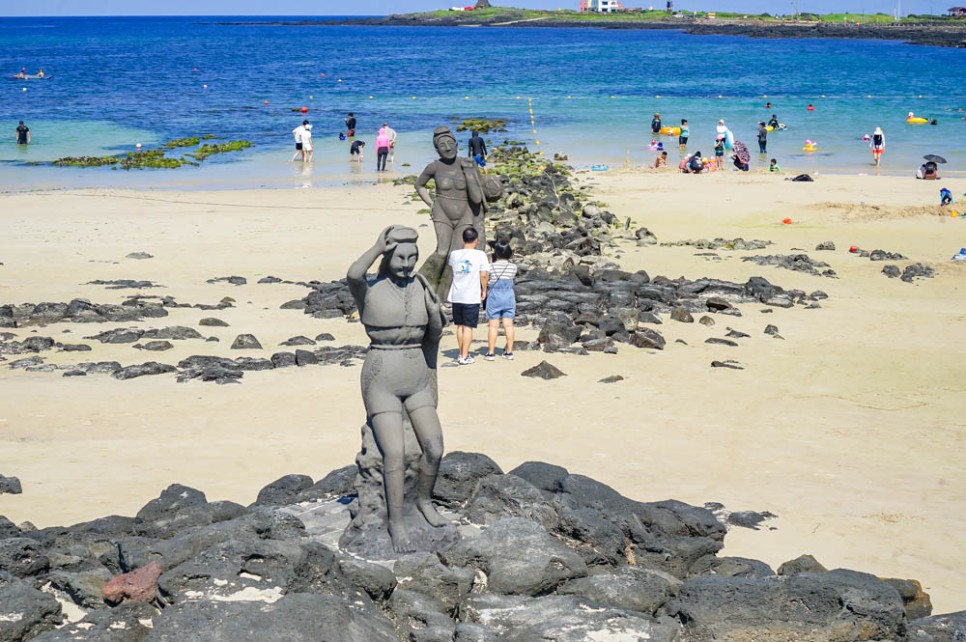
(402,438)
(458,203)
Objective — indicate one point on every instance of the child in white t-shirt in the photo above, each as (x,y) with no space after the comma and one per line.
(470,272)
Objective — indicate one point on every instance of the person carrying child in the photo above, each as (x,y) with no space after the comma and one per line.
(501,303)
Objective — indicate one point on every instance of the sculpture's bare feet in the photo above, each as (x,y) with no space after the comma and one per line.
(426,507)
(400,539)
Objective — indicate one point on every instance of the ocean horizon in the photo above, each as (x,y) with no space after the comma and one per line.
(114,82)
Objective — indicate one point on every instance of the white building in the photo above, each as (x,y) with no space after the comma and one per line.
(600,6)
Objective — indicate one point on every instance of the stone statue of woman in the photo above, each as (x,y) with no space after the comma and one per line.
(401,315)
(458,202)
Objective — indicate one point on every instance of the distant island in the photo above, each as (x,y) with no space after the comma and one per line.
(941,31)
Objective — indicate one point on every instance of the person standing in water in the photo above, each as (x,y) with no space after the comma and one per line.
(299,148)
(878,145)
(23,134)
(383,145)
(308,151)
(762,138)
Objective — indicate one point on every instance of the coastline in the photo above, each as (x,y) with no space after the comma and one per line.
(843,439)
(924,34)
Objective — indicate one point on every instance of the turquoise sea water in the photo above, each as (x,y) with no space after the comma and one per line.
(115,82)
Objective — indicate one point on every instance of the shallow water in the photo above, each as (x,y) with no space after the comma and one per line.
(115,82)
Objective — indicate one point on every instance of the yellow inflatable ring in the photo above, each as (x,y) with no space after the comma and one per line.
(671,131)
(917,121)
(810,148)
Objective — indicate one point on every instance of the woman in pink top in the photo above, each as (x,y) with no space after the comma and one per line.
(383,143)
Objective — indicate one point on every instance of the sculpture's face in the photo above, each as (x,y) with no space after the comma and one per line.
(402,263)
(446,147)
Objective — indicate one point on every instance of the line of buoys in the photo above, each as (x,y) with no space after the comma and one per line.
(533,121)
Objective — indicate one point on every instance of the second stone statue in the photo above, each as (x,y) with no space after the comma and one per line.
(458,203)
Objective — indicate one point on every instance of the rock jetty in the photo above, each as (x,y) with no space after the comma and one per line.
(568,287)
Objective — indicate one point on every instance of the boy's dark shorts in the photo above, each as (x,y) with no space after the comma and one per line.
(298,146)
(466,314)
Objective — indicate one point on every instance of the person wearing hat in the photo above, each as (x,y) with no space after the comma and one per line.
(307,148)
(877,145)
(656,124)
(719,150)
(23,134)
(392,140)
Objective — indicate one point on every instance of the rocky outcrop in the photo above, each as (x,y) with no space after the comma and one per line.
(536,553)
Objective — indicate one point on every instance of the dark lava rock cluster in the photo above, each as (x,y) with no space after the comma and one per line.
(542,554)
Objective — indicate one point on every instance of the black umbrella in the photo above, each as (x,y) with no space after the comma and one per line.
(935,159)
(741,151)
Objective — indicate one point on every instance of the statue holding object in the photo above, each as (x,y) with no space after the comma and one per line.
(457,205)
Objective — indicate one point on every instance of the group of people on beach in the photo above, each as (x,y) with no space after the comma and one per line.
(725,145)
(386,139)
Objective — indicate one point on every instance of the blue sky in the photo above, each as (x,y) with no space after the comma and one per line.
(9,8)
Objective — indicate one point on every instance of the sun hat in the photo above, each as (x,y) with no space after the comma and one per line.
(878,130)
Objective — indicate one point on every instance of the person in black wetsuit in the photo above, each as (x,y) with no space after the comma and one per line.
(477,150)
(23,134)
(355,151)
(656,124)
(350,124)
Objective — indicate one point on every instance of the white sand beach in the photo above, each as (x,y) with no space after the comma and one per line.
(851,429)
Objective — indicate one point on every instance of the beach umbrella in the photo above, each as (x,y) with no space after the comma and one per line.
(741,151)
(935,159)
